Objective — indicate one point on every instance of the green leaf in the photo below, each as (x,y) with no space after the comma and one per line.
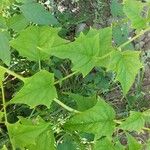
(135,122)
(126,64)
(103,144)
(133,9)
(44,141)
(67,144)
(133,144)
(17,22)
(120,36)
(87,51)
(116,9)
(36,13)
(4,48)
(97,120)
(35,43)
(26,132)
(83,103)
(37,90)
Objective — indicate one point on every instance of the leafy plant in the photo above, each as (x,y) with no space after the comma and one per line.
(90,122)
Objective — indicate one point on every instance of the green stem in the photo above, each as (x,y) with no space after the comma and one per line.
(66,107)
(135,37)
(13,73)
(40,66)
(66,77)
(117,121)
(5,114)
(147,129)
(32,113)
(4,104)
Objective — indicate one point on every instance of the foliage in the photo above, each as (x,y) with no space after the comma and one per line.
(58,71)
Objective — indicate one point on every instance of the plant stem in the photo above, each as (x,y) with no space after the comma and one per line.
(147,129)
(40,66)
(13,73)
(66,77)
(117,121)
(4,104)
(66,107)
(135,37)
(5,113)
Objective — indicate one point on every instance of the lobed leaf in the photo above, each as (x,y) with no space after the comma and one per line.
(37,90)
(97,120)
(134,10)
(87,51)
(126,64)
(26,132)
(36,43)
(135,122)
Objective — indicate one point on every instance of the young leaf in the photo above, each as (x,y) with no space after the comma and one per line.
(133,144)
(126,64)
(88,50)
(135,122)
(17,22)
(37,90)
(26,132)
(36,13)
(97,120)
(35,42)
(133,9)
(4,48)
(104,144)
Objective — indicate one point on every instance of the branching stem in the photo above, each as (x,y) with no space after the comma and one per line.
(13,73)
